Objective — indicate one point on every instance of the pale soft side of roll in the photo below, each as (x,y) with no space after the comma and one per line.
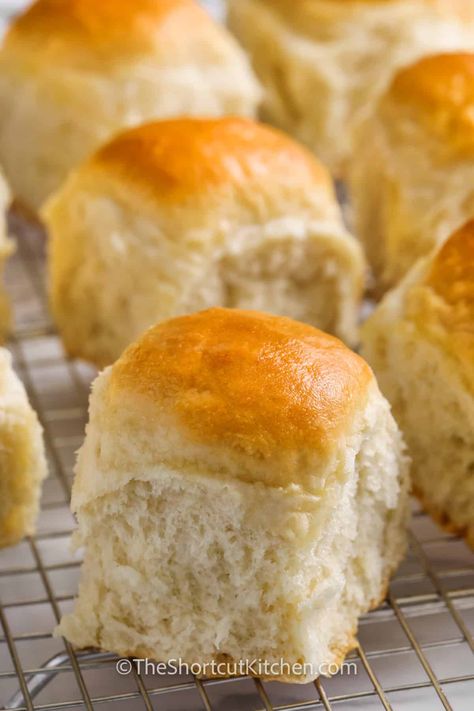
(22,458)
(74,72)
(420,342)
(324,63)
(412,181)
(241,494)
(6,249)
(180,215)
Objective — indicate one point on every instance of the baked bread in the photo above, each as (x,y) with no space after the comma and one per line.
(324,63)
(22,458)
(241,494)
(420,342)
(6,248)
(416,183)
(75,72)
(181,215)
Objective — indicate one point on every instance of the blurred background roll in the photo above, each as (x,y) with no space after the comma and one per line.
(181,215)
(74,72)
(420,342)
(412,182)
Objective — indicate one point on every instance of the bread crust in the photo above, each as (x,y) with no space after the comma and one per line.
(438,92)
(177,161)
(85,31)
(260,384)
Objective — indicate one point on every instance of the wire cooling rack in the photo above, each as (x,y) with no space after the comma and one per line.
(416,651)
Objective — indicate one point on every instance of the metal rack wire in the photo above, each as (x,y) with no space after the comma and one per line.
(416,651)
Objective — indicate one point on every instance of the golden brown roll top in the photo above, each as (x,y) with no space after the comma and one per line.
(452,277)
(437,92)
(86,32)
(233,161)
(261,385)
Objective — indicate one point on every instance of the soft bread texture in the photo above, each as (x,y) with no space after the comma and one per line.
(179,215)
(22,458)
(241,493)
(6,248)
(420,342)
(75,72)
(415,184)
(324,63)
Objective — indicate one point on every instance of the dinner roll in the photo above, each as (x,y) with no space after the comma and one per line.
(324,63)
(420,342)
(6,248)
(22,458)
(180,215)
(241,494)
(416,183)
(74,72)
